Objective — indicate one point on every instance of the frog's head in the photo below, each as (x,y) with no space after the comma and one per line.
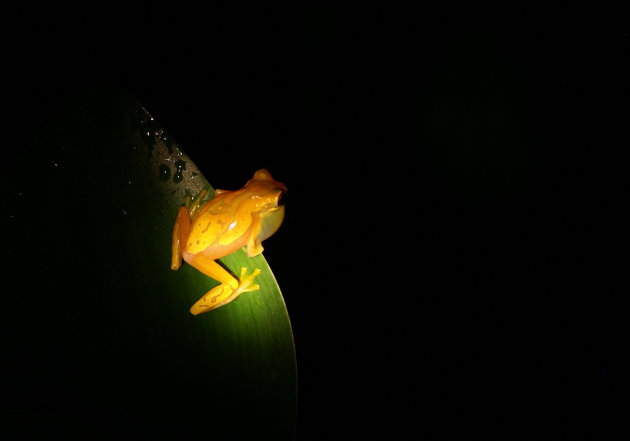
(269,193)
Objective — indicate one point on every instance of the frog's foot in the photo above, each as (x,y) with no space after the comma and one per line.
(224,293)
(246,283)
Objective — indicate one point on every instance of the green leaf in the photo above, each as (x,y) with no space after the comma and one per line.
(97,326)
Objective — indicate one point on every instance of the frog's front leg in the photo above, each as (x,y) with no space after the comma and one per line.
(195,206)
(228,290)
(181,231)
(183,225)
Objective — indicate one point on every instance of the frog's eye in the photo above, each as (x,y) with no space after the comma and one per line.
(263,174)
(281,198)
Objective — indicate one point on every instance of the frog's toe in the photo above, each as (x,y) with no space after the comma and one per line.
(246,283)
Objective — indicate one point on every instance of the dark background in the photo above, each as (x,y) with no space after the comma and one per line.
(451,245)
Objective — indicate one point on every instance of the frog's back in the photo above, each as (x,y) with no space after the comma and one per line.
(219,228)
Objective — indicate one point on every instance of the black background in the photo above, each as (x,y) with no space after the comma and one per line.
(451,245)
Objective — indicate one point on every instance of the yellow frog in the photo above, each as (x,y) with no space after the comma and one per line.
(231,220)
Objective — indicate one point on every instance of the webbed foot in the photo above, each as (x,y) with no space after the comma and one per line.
(246,283)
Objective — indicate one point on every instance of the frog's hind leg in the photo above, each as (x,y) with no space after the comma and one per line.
(228,290)
(218,295)
(245,284)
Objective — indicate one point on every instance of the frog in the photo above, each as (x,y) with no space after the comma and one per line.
(231,220)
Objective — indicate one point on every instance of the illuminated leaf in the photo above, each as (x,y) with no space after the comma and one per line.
(98,330)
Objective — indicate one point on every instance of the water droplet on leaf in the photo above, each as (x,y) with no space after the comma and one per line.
(164,172)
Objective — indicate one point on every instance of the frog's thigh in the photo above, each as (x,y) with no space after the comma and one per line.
(181,231)
(212,269)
